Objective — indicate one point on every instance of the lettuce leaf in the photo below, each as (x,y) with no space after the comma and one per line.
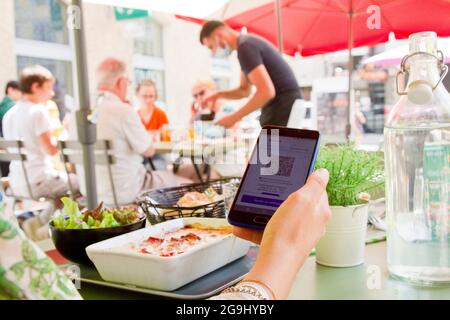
(70,206)
(109,221)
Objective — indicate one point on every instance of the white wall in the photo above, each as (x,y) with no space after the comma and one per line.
(186,61)
(105,37)
(7,46)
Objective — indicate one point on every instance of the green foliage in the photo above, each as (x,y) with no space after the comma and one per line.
(19,269)
(73,218)
(7,230)
(28,253)
(44,275)
(8,289)
(70,206)
(352,172)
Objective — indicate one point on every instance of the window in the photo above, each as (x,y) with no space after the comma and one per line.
(41,20)
(148,38)
(148,54)
(62,70)
(156,75)
(42,38)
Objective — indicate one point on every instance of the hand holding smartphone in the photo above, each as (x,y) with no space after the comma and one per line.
(280,164)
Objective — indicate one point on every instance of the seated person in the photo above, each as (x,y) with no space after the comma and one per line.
(12,95)
(118,122)
(200,90)
(152,117)
(29,121)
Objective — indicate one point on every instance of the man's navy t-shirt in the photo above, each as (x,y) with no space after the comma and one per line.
(254,51)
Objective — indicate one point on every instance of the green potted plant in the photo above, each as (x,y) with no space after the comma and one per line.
(355,177)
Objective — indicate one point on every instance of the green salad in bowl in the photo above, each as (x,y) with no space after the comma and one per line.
(73,229)
(73,218)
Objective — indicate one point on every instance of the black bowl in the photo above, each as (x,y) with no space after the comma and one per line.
(72,243)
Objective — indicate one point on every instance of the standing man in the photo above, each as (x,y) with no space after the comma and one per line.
(262,66)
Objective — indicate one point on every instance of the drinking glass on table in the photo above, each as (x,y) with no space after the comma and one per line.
(191,133)
(165,133)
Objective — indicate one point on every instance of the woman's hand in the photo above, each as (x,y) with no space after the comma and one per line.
(290,235)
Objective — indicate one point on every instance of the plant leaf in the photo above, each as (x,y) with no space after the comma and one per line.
(18,269)
(65,288)
(7,230)
(28,253)
(10,288)
(34,284)
(45,265)
(45,290)
(70,206)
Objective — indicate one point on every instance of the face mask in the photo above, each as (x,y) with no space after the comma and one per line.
(223,52)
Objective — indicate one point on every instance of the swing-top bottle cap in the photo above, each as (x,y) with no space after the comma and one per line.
(423,42)
(420,92)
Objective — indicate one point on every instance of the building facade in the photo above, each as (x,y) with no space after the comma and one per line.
(159,47)
(167,50)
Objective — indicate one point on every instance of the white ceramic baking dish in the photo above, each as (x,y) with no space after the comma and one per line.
(164,273)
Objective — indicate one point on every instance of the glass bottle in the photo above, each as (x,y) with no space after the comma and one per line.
(417,161)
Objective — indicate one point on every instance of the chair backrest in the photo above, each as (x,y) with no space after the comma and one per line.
(13,150)
(298,114)
(72,153)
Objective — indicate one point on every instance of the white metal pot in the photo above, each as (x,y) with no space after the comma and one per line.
(344,241)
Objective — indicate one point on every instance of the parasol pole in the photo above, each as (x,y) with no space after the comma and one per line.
(348,127)
(85,128)
(280,36)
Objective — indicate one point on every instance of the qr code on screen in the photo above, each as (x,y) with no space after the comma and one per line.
(285,166)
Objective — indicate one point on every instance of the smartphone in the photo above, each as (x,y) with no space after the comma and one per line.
(280,164)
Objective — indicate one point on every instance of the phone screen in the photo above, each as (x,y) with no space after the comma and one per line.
(275,171)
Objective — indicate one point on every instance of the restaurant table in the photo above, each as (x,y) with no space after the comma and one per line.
(314,282)
(200,152)
(369,281)
(197,148)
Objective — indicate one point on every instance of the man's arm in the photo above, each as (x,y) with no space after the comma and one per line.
(265,91)
(240,92)
(243,91)
(136,135)
(48,143)
(150,152)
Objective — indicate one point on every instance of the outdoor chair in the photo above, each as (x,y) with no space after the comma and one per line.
(71,153)
(13,150)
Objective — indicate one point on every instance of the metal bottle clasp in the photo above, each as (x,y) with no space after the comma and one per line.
(404,70)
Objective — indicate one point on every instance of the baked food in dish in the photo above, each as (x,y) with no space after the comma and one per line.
(178,241)
(196,199)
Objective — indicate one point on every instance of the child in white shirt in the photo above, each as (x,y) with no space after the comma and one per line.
(29,121)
